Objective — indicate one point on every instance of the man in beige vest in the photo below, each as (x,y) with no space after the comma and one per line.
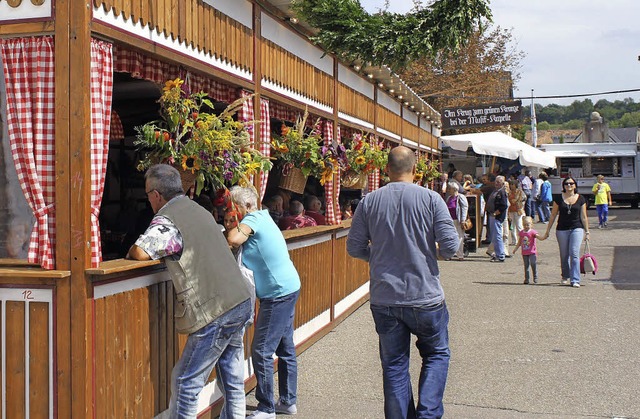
(213,299)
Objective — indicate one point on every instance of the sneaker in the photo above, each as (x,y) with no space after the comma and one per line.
(526,282)
(496,260)
(576,285)
(259,414)
(599,225)
(564,281)
(605,224)
(535,280)
(286,409)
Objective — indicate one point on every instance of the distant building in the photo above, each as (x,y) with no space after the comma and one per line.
(554,136)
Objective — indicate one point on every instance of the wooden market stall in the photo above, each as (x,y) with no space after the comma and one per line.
(84,333)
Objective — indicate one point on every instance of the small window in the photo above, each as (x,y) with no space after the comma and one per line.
(16,217)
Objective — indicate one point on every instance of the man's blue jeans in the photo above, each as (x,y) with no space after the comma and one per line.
(543,211)
(569,243)
(218,342)
(274,334)
(496,237)
(395,325)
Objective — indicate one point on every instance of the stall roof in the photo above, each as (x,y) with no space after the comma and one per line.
(498,144)
(592,153)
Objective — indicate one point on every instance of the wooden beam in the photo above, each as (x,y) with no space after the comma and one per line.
(80,208)
(62,375)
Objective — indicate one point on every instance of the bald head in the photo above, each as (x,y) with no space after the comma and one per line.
(401,161)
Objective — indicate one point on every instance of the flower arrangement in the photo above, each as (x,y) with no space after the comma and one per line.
(363,157)
(298,148)
(216,149)
(426,170)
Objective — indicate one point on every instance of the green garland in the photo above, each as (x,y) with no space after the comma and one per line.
(391,39)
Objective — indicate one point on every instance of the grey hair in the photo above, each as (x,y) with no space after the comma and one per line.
(244,197)
(500,179)
(295,208)
(453,185)
(165,179)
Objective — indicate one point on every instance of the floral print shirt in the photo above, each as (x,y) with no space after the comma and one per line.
(162,239)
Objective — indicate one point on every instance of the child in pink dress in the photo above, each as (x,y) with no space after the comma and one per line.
(527,240)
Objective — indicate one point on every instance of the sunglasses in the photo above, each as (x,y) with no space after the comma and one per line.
(569,183)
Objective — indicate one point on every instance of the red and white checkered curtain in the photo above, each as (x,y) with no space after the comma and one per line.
(331,214)
(265,141)
(28,66)
(101,85)
(373,181)
(144,67)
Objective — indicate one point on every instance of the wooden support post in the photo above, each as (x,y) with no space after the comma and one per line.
(73,192)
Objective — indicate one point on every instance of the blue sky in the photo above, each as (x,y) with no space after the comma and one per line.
(571,46)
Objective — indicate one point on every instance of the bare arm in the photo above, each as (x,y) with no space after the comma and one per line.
(518,244)
(238,235)
(136,253)
(552,219)
(585,221)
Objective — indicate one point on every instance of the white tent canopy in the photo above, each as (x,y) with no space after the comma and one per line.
(499,144)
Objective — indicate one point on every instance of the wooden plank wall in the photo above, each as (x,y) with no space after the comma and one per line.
(22,318)
(193,22)
(410,131)
(285,69)
(136,347)
(353,273)
(355,104)
(314,267)
(388,120)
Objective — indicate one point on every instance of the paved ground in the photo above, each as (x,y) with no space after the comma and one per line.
(518,351)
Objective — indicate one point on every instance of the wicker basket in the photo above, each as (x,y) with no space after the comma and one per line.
(353,180)
(188,179)
(293,180)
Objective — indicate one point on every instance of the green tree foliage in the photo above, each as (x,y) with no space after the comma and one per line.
(391,39)
(619,114)
(482,71)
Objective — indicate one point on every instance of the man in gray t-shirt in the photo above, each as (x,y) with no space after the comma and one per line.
(395,229)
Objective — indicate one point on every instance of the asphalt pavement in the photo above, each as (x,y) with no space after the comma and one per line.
(518,351)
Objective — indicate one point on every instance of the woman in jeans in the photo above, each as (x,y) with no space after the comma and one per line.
(570,208)
(264,251)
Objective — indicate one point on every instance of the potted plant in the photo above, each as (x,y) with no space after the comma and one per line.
(299,152)
(362,158)
(208,149)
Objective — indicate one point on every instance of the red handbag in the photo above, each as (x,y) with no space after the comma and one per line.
(588,262)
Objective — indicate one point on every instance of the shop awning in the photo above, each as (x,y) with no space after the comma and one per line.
(498,144)
(592,153)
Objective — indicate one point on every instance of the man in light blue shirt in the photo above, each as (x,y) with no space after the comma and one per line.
(395,229)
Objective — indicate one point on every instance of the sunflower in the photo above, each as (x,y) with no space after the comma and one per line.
(190,163)
(360,160)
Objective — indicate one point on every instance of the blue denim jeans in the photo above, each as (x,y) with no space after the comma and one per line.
(274,334)
(218,342)
(603,212)
(543,211)
(569,242)
(496,237)
(395,325)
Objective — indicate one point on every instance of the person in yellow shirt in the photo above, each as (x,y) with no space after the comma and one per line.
(602,192)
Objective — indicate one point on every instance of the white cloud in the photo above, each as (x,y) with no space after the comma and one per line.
(573,47)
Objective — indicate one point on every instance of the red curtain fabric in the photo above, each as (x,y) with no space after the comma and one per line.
(28,66)
(332,209)
(265,141)
(101,86)
(144,67)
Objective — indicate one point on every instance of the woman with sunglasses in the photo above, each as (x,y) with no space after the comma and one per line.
(570,208)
